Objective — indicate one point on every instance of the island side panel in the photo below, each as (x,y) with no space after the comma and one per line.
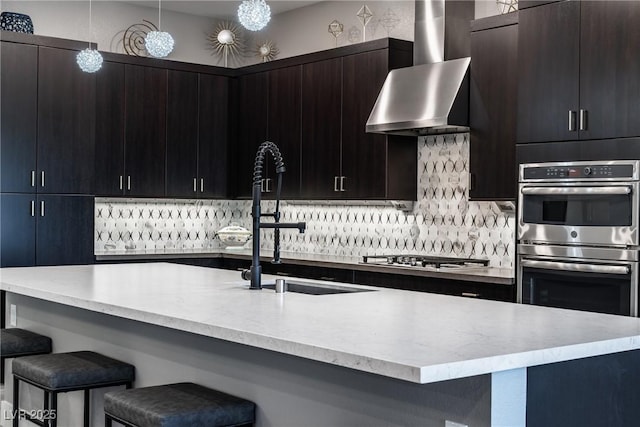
(595,391)
(288,390)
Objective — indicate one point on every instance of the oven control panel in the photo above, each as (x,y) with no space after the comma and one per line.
(579,171)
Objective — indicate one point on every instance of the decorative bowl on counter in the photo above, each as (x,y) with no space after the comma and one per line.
(233,236)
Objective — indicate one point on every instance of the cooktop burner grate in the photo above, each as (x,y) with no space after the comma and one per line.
(422,260)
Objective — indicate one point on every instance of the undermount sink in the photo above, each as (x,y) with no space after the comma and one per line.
(315,288)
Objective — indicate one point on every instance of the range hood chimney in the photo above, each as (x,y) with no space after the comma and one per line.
(432,97)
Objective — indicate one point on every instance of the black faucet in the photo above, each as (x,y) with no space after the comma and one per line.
(255,271)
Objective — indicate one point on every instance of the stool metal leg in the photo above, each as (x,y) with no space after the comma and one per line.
(107,421)
(47,397)
(16,401)
(87,407)
(53,422)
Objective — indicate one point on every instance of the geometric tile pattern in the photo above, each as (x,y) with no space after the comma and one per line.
(443,221)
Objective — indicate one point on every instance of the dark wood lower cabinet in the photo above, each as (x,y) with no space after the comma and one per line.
(46,230)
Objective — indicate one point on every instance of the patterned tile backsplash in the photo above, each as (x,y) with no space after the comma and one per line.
(443,222)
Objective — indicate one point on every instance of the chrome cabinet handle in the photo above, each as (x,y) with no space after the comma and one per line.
(121,181)
(262,185)
(202,185)
(42,208)
(570,266)
(572,120)
(42,178)
(470,294)
(195,185)
(33,178)
(266,185)
(33,208)
(335,183)
(342,178)
(582,122)
(581,191)
(128,182)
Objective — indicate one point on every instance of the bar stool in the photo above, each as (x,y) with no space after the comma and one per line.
(16,342)
(177,405)
(64,372)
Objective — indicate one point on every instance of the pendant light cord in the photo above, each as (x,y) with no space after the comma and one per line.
(159,14)
(90,25)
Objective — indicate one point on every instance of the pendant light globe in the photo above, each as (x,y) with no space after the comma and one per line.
(158,43)
(254,15)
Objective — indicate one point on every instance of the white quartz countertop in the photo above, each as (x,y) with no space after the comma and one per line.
(412,336)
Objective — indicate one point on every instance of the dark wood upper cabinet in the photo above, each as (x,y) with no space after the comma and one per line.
(321,128)
(548,67)
(213,137)
(339,159)
(66,123)
(284,127)
(109,162)
(374,166)
(492,112)
(577,75)
(182,134)
(18,116)
(252,129)
(197,112)
(610,69)
(17,229)
(145,130)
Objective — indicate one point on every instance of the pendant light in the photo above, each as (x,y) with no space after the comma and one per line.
(89,60)
(254,15)
(159,43)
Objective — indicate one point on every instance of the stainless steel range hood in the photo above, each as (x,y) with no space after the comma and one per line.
(432,97)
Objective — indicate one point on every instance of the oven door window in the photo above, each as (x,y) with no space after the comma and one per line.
(597,292)
(578,210)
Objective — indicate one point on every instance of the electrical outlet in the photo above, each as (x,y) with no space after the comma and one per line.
(448,423)
(13,321)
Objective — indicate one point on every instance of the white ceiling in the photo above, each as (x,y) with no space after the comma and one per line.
(217,8)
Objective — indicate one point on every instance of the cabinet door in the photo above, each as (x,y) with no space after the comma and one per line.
(283,127)
(182,134)
(321,128)
(213,139)
(252,129)
(492,164)
(66,114)
(109,164)
(364,155)
(609,68)
(18,116)
(17,230)
(65,230)
(145,130)
(548,71)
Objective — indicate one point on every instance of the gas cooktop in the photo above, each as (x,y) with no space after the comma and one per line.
(423,261)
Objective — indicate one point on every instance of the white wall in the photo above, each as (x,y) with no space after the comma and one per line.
(295,32)
(70,20)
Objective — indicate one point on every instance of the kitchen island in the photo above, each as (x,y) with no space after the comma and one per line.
(383,357)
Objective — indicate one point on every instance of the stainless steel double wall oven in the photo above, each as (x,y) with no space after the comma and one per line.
(578,235)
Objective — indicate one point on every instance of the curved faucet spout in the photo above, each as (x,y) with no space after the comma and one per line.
(254,273)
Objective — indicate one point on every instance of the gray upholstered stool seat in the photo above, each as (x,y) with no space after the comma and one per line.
(63,372)
(16,342)
(177,405)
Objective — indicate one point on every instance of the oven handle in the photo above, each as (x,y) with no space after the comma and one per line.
(571,266)
(576,190)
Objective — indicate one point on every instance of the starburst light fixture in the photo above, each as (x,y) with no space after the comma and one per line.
(89,60)
(254,15)
(159,43)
